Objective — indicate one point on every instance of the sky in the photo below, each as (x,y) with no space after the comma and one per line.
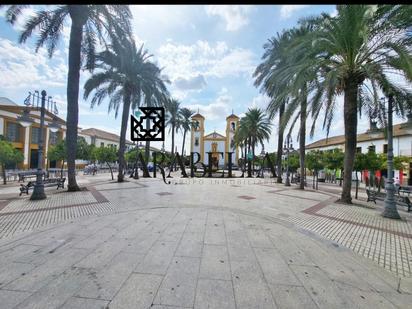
(208,52)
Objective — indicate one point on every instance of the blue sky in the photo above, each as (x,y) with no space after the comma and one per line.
(208,52)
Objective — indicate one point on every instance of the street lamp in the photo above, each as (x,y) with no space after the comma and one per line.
(26,121)
(390,210)
(286,148)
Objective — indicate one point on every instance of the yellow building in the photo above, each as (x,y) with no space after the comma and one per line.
(214,142)
(25,139)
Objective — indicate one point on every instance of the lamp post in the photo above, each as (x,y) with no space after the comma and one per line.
(390,210)
(287,147)
(26,121)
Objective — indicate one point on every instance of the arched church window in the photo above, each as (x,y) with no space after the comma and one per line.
(196,141)
(233,126)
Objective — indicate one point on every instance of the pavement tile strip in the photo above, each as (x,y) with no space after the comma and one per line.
(21,215)
(385,241)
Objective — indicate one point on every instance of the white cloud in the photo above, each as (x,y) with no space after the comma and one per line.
(197,82)
(287,11)
(261,101)
(22,68)
(216,60)
(235,16)
(217,110)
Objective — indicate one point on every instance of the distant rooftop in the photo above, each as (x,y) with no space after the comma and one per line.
(103,135)
(7,101)
(363,137)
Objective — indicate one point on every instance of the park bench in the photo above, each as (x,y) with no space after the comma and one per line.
(380,196)
(27,174)
(50,182)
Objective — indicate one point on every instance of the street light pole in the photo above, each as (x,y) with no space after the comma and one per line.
(390,210)
(38,190)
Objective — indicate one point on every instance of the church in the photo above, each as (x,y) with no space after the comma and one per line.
(214,142)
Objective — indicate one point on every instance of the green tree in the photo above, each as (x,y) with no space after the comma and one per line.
(360,45)
(8,155)
(126,76)
(315,162)
(89,23)
(334,160)
(58,152)
(173,120)
(257,126)
(106,155)
(185,123)
(275,55)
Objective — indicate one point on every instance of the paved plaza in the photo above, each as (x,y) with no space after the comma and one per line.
(200,243)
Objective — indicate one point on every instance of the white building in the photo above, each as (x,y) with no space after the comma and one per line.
(214,142)
(402,145)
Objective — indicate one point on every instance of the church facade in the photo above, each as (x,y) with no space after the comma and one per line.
(214,142)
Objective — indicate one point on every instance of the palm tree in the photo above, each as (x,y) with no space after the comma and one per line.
(298,81)
(240,139)
(359,46)
(258,127)
(185,123)
(275,55)
(173,120)
(88,23)
(126,76)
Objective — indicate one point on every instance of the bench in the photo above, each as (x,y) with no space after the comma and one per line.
(400,200)
(50,182)
(28,174)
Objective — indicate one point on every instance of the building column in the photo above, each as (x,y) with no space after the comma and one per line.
(26,147)
(2,126)
(46,148)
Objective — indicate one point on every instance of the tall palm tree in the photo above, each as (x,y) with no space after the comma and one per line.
(360,46)
(275,55)
(298,82)
(240,139)
(173,120)
(126,76)
(258,127)
(88,23)
(185,123)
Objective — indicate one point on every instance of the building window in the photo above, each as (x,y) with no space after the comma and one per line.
(358,149)
(372,148)
(196,141)
(385,148)
(35,135)
(53,138)
(233,126)
(13,132)
(101,144)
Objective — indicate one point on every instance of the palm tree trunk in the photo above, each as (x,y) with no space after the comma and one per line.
(173,146)
(351,123)
(302,141)
(73,78)
(184,138)
(122,146)
(280,145)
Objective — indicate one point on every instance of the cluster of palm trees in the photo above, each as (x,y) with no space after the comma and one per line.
(122,72)
(254,128)
(354,54)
